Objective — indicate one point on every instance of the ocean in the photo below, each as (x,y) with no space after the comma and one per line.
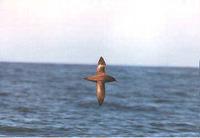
(55,100)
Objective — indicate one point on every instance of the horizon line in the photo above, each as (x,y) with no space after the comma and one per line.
(91,64)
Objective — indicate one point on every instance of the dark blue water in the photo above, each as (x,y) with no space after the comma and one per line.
(54,100)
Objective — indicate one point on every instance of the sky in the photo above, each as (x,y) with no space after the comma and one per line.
(124,32)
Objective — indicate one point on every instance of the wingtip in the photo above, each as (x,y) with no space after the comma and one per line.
(102,61)
(85,78)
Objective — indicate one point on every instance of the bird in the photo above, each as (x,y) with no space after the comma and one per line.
(100,79)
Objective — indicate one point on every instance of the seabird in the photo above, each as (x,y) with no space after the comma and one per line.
(100,79)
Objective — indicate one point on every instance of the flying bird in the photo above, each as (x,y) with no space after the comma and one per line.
(100,79)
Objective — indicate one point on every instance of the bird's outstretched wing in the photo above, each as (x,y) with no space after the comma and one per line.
(101,68)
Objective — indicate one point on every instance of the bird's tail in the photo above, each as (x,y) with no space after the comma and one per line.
(100,92)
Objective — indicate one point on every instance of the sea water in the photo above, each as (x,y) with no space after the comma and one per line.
(55,100)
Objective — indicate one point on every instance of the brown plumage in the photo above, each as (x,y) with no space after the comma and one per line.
(100,78)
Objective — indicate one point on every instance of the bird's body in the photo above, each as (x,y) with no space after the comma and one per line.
(100,91)
(100,78)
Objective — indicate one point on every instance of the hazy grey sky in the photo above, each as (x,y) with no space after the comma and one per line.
(133,32)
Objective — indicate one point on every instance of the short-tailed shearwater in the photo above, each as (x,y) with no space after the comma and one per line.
(100,78)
